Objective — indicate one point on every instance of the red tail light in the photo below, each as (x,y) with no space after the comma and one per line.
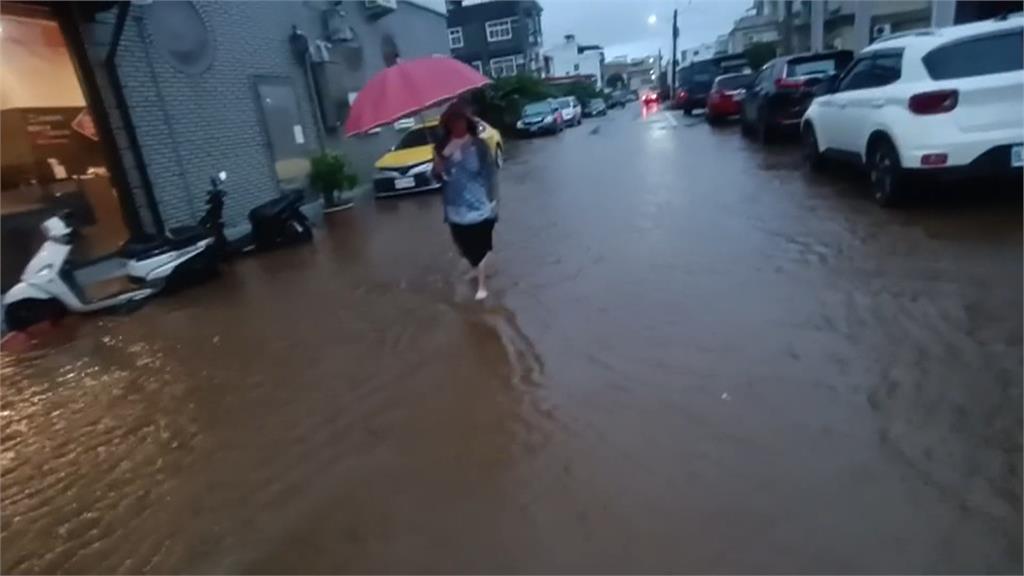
(937,102)
(789,83)
(934,159)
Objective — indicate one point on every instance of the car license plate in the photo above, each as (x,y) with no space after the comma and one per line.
(1017,155)
(404,183)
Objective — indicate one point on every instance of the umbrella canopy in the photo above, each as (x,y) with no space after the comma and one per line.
(407,88)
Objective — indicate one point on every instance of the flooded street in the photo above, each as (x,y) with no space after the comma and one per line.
(696,357)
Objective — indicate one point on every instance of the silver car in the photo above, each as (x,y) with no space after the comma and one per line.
(572,112)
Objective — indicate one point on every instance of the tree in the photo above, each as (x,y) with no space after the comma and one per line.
(759,53)
(500,102)
(615,81)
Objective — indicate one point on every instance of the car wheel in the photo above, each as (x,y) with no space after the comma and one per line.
(886,173)
(499,157)
(688,111)
(809,148)
(23,314)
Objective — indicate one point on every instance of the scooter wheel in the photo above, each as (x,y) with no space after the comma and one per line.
(22,314)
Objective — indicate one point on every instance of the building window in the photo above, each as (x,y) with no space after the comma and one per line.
(503,66)
(479,66)
(575,67)
(499,30)
(455,37)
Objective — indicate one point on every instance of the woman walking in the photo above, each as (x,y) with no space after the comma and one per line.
(464,163)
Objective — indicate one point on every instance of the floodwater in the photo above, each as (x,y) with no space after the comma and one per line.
(696,358)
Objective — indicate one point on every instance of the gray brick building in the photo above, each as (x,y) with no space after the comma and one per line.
(191,88)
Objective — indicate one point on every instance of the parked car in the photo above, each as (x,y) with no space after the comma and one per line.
(595,107)
(617,99)
(781,92)
(941,102)
(632,95)
(694,83)
(726,96)
(408,166)
(543,117)
(572,112)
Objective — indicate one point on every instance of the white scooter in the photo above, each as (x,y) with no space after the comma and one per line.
(50,285)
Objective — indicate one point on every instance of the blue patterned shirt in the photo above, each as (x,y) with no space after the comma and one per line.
(467,187)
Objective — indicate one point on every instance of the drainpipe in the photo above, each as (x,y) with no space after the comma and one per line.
(300,49)
(110,64)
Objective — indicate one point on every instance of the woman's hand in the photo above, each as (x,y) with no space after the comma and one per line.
(438,166)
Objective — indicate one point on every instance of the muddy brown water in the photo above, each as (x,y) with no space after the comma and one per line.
(696,358)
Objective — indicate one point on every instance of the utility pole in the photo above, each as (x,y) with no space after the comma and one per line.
(787,27)
(675,37)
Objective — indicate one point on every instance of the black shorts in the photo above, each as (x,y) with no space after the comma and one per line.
(473,240)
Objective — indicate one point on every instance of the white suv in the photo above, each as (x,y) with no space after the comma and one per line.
(935,101)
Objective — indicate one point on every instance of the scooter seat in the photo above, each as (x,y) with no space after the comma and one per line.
(150,247)
(191,233)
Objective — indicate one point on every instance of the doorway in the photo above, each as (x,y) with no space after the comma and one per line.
(282,121)
(53,161)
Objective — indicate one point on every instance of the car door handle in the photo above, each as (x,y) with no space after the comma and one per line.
(877,103)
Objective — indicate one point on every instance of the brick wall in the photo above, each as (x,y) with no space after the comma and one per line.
(190,126)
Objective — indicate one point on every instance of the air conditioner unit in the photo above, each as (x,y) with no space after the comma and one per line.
(879,30)
(320,51)
(380,6)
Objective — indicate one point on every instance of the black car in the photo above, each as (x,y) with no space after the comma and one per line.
(694,83)
(781,92)
(595,107)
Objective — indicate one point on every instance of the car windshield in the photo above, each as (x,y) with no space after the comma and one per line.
(732,82)
(596,103)
(564,103)
(419,136)
(810,67)
(536,108)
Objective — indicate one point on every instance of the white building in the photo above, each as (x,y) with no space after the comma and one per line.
(572,59)
(697,53)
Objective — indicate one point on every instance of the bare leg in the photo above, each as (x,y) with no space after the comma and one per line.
(481,288)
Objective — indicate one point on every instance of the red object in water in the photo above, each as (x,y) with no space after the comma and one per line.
(407,88)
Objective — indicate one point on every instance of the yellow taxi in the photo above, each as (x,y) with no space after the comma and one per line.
(408,166)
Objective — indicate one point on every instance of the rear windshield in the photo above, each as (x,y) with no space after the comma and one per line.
(732,82)
(536,108)
(418,137)
(819,66)
(704,72)
(564,103)
(977,57)
(596,102)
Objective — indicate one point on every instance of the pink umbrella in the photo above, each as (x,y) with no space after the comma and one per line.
(407,88)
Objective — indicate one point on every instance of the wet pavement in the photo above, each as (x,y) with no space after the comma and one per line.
(696,358)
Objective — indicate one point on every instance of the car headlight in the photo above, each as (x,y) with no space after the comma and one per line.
(549,119)
(520,124)
(425,167)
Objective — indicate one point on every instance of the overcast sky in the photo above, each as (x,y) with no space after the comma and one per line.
(621,25)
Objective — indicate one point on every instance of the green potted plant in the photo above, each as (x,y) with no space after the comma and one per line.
(330,175)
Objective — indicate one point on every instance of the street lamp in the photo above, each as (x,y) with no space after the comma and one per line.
(652,19)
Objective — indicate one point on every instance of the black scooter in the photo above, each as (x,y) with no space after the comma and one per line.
(275,223)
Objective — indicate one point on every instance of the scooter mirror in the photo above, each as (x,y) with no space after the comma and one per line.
(222,175)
